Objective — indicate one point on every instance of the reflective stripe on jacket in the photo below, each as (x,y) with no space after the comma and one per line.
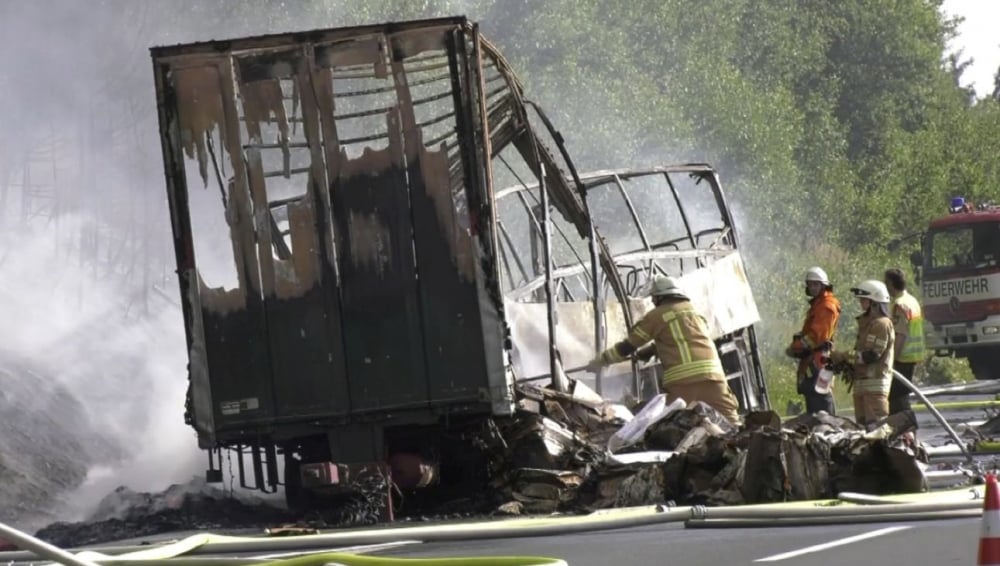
(875,334)
(907,316)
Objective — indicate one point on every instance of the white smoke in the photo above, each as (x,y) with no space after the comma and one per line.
(128,371)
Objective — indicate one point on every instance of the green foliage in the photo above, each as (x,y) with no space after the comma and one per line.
(945,370)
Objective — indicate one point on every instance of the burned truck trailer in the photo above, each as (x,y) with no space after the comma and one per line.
(338,248)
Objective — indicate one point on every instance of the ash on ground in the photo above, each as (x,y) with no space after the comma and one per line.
(198,506)
(47,447)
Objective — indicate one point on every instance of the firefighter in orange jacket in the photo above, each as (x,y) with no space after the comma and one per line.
(814,343)
(679,337)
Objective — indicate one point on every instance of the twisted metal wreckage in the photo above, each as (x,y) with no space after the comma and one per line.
(373,306)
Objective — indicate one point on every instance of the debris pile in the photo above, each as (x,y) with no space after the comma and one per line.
(988,431)
(543,456)
(575,452)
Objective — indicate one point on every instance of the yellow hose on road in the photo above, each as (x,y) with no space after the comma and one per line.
(971,493)
(958,405)
(171,554)
(40,547)
(987,446)
(171,550)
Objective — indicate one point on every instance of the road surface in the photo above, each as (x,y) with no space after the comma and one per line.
(918,543)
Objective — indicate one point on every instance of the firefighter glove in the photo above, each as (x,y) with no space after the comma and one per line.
(842,362)
(595,364)
(848,379)
(840,358)
(645,354)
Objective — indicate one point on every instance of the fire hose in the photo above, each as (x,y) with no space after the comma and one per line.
(772,522)
(192,551)
(39,548)
(214,544)
(734,517)
(937,415)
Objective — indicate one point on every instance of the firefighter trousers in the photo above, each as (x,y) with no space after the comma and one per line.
(715,394)
(870,407)
(815,402)
(899,395)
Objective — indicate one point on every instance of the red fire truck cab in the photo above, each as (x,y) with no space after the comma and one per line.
(960,265)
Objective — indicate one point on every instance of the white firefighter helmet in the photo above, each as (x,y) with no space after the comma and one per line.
(872,289)
(817,274)
(665,286)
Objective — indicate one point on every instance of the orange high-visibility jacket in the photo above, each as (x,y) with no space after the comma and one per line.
(819,327)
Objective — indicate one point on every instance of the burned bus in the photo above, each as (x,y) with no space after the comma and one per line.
(672,220)
(341,250)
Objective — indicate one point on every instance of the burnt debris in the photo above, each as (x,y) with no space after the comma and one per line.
(556,456)
(197,506)
(552,456)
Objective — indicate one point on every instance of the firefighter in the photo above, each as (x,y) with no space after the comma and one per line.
(813,344)
(908,322)
(692,369)
(868,366)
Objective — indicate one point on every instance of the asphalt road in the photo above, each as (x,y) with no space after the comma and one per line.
(935,543)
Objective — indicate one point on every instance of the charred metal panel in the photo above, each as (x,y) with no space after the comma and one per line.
(230,381)
(381,314)
(287,177)
(374,231)
(478,127)
(440,330)
(359,220)
(443,244)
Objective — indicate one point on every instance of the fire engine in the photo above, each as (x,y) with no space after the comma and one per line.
(958,267)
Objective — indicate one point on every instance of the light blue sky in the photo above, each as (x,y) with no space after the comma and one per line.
(978,39)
